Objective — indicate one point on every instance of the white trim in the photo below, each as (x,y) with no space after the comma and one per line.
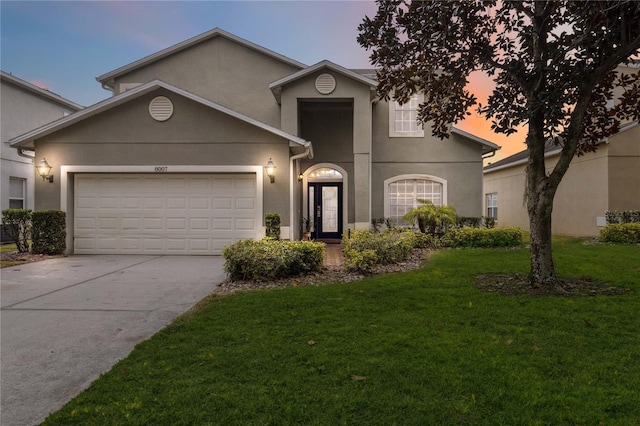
(489,145)
(393,133)
(413,176)
(345,189)
(67,172)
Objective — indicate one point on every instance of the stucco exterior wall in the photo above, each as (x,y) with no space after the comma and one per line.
(224,72)
(457,160)
(581,198)
(21,111)
(194,135)
(624,170)
(360,150)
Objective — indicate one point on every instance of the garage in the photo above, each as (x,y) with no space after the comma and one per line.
(190,214)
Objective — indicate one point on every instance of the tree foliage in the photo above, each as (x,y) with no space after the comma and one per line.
(554,65)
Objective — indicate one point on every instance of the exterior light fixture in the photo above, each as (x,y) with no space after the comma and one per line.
(271,170)
(300,177)
(43,169)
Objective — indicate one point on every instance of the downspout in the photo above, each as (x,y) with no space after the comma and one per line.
(308,153)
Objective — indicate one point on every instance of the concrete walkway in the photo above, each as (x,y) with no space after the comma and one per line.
(65,321)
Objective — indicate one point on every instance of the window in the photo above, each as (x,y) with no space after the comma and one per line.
(16,193)
(403,118)
(492,205)
(403,195)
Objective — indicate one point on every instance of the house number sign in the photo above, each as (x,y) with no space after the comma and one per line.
(161,169)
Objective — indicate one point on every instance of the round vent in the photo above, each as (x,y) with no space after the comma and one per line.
(325,84)
(161,108)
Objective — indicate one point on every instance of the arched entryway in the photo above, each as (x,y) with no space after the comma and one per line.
(325,200)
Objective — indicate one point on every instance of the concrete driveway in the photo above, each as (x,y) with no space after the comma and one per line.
(65,321)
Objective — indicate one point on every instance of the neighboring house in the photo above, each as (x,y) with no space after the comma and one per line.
(175,161)
(608,179)
(23,106)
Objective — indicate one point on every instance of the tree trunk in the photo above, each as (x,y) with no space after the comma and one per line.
(542,268)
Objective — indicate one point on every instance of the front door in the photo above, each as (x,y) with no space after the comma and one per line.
(325,209)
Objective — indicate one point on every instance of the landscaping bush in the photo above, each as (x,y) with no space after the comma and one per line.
(359,260)
(269,259)
(627,216)
(426,241)
(468,222)
(48,232)
(272,225)
(489,222)
(482,237)
(389,247)
(17,223)
(621,233)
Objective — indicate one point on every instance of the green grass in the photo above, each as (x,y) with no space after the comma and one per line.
(423,347)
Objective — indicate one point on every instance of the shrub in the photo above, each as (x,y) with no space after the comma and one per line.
(272,225)
(390,247)
(426,241)
(489,222)
(470,222)
(17,223)
(621,233)
(360,261)
(627,216)
(482,237)
(48,232)
(270,259)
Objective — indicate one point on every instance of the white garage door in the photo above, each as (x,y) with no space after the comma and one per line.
(163,214)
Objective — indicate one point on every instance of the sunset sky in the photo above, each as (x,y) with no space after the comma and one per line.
(64,45)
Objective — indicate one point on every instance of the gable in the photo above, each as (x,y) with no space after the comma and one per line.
(222,68)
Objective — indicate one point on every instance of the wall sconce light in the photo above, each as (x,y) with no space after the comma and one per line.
(43,169)
(300,177)
(271,170)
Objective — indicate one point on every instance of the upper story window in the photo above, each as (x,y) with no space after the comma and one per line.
(403,119)
(492,205)
(16,193)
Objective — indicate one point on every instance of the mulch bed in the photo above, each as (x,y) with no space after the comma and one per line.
(18,258)
(330,274)
(512,285)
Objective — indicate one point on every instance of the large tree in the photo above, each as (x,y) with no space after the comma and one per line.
(554,66)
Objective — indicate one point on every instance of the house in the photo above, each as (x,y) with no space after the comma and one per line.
(174,162)
(608,179)
(23,106)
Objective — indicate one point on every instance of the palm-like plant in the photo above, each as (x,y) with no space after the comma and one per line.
(431,216)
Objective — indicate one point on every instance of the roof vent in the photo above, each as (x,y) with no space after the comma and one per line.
(161,108)
(325,84)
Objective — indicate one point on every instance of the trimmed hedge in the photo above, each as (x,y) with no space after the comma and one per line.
(621,233)
(48,232)
(270,259)
(482,237)
(364,249)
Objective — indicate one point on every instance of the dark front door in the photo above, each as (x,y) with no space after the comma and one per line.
(325,209)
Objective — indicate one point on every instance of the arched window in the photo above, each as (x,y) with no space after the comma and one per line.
(403,192)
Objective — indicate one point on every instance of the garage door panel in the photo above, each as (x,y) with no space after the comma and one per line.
(173,214)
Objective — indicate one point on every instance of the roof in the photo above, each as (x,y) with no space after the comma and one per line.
(27,140)
(550,149)
(40,91)
(108,78)
(487,146)
(276,86)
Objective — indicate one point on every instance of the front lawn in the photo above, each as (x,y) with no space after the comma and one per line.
(422,347)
